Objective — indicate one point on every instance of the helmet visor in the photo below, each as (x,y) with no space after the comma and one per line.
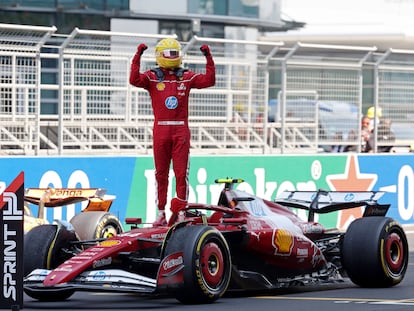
(171,53)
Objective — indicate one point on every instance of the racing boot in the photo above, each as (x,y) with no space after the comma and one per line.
(161,221)
(176,217)
(178,210)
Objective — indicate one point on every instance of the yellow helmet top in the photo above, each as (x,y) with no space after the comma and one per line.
(370,112)
(168,53)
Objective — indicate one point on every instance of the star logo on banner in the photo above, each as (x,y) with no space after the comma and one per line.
(351,180)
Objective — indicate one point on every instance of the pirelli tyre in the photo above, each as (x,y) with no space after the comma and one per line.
(375,252)
(96,225)
(46,247)
(206,262)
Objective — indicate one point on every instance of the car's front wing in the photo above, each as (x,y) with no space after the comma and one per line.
(95,280)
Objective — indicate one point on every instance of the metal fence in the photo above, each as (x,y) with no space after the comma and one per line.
(70,94)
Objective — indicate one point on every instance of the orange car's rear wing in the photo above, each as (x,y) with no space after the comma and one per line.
(53,197)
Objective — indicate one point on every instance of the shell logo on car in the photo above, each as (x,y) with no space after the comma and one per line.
(282,241)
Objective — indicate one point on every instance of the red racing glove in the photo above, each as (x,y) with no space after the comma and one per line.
(140,50)
(205,49)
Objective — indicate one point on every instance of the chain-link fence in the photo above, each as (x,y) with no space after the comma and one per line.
(71,95)
(19,87)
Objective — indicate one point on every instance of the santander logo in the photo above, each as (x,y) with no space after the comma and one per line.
(173,262)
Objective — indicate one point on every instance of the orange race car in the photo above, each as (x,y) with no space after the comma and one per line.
(94,222)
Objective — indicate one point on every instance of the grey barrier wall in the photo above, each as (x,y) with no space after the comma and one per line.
(69,94)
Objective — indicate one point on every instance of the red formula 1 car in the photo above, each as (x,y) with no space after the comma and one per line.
(242,243)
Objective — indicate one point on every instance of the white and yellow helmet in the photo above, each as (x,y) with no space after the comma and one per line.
(168,53)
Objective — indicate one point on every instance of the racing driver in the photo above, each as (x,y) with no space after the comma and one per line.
(169,87)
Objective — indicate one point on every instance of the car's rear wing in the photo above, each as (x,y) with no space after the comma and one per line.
(322,201)
(54,197)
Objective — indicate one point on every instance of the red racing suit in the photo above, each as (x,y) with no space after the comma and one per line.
(169,91)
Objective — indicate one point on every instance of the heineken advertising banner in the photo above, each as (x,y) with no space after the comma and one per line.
(131,180)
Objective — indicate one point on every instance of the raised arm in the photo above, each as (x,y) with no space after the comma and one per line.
(135,77)
(209,78)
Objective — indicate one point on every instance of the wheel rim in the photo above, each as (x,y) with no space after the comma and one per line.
(212,264)
(108,232)
(394,252)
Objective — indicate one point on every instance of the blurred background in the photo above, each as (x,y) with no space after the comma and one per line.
(293,76)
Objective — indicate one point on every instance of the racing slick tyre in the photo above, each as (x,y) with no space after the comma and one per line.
(206,262)
(43,249)
(375,252)
(96,225)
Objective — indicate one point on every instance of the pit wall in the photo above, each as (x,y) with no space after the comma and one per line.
(131,180)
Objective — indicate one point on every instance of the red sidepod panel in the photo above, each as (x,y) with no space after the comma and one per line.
(285,248)
(277,234)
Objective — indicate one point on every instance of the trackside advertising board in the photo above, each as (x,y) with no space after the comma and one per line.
(131,180)
(11,231)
